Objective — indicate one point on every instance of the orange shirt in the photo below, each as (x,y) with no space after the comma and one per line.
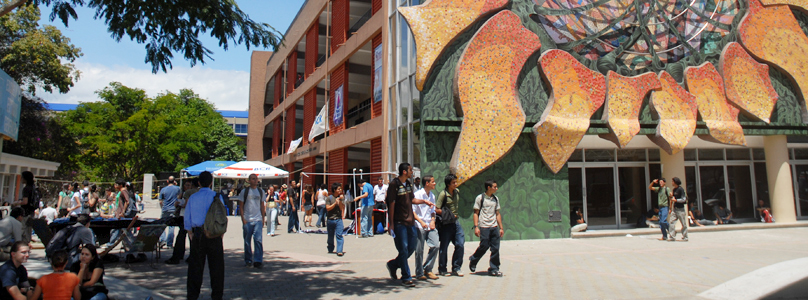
(58,286)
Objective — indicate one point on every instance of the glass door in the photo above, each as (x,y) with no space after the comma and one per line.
(632,194)
(712,189)
(600,200)
(801,186)
(741,192)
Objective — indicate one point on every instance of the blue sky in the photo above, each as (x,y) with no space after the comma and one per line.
(223,80)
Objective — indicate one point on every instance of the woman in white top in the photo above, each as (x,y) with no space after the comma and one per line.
(75,201)
(322,194)
(272,210)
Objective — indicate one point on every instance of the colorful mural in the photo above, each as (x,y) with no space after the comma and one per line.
(486,91)
(721,117)
(747,82)
(676,110)
(624,97)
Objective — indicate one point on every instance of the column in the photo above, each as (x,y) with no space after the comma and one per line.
(781,191)
(673,166)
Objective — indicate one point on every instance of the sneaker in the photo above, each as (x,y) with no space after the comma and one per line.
(671,240)
(432,276)
(392,271)
(248,264)
(457,273)
(408,283)
(258,265)
(445,274)
(495,273)
(684,240)
(422,277)
(172,262)
(472,267)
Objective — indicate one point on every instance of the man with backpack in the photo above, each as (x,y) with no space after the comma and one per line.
(663,196)
(204,246)
(679,211)
(253,217)
(488,227)
(71,237)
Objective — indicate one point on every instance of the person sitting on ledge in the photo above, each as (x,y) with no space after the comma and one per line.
(764,212)
(577,223)
(649,219)
(697,218)
(723,215)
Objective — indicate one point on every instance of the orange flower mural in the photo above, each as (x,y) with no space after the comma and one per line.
(721,117)
(676,109)
(486,89)
(624,96)
(577,93)
(748,85)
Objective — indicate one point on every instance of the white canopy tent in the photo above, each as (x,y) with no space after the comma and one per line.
(245,168)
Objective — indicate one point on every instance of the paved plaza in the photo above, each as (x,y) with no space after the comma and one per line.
(638,267)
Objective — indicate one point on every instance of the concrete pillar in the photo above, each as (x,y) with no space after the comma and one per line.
(781,191)
(673,166)
(148,181)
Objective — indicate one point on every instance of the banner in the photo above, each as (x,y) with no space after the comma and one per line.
(10,105)
(377,74)
(294,144)
(320,125)
(338,105)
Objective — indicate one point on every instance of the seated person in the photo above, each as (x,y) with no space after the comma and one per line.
(10,232)
(649,219)
(83,235)
(723,215)
(14,275)
(59,284)
(48,213)
(90,271)
(105,208)
(764,212)
(577,220)
(697,218)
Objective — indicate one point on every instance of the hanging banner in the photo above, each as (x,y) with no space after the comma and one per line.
(320,125)
(10,105)
(377,74)
(338,98)
(294,144)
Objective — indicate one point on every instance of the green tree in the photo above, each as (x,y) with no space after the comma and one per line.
(128,134)
(166,27)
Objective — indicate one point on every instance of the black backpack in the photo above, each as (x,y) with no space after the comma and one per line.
(60,241)
(247,194)
(34,197)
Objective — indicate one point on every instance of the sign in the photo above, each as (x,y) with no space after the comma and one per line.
(294,144)
(377,74)
(320,125)
(338,105)
(10,97)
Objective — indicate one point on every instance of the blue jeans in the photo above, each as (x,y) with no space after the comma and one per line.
(321,214)
(367,223)
(663,221)
(99,296)
(335,228)
(452,233)
(272,213)
(406,240)
(294,221)
(168,235)
(253,231)
(489,239)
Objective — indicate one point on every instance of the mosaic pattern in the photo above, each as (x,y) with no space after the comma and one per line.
(747,82)
(436,23)
(577,93)
(721,117)
(772,34)
(624,97)
(677,111)
(486,90)
(803,4)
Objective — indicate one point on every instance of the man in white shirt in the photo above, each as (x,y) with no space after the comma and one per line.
(380,193)
(487,226)
(425,222)
(49,213)
(252,219)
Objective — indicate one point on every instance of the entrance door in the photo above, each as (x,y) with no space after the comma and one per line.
(600,201)
(712,189)
(801,186)
(632,194)
(741,200)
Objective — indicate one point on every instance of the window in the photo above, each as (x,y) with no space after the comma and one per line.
(241,128)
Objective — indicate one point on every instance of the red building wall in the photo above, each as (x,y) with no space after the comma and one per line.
(375,157)
(340,22)
(276,136)
(312,47)
(291,73)
(309,113)
(290,127)
(309,167)
(337,163)
(278,88)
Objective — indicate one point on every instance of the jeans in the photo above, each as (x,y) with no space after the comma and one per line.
(168,235)
(294,221)
(679,214)
(273,217)
(321,216)
(99,296)
(367,221)
(663,222)
(406,240)
(179,244)
(26,229)
(253,232)
(489,238)
(203,248)
(451,233)
(335,228)
(430,238)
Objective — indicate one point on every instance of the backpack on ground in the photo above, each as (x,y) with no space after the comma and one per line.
(60,240)
(216,219)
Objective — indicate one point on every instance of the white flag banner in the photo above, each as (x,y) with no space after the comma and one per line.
(320,124)
(294,144)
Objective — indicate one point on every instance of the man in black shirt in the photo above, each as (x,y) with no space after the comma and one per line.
(13,274)
(679,211)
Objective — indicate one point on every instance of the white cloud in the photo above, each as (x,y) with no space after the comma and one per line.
(227,89)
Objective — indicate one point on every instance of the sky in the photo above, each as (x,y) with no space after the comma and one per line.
(224,81)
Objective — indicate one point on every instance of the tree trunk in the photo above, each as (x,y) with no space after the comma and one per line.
(11,6)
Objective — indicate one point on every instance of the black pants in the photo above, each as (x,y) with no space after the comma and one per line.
(179,243)
(489,238)
(203,248)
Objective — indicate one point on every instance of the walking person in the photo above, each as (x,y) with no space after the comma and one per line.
(168,204)
(427,234)
(308,204)
(29,203)
(74,208)
(190,187)
(202,247)
(663,196)
(402,222)
(335,205)
(272,207)
(366,222)
(380,193)
(322,195)
(488,227)
(64,197)
(253,217)
(291,198)
(449,228)
(679,211)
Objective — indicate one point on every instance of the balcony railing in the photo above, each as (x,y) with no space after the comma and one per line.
(362,20)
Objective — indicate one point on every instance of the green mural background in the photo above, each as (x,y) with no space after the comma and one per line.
(528,190)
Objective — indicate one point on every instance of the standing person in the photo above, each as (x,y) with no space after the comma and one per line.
(29,203)
(402,223)
(59,284)
(178,255)
(450,232)
(488,227)
(335,206)
(291,198)
(202,247)
(253,217)
(272,207)
(74,208)
(679,211)
(308,204)
(168,204)
(427,234)
(379,194)
(663,196)
(14,275)
(92,198)
(64,197)
(368,203)
(284,210)
(90,271)
(322,195)
(85,197)
(49,213)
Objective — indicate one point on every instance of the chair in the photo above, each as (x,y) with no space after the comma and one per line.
(147,240)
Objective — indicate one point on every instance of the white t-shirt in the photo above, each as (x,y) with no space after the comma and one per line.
(49,213)
(76,200)
(321,198)
(252,206)
(488,214)
(423,211)
(379,192)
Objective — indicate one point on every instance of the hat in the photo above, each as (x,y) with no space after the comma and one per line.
(283,186)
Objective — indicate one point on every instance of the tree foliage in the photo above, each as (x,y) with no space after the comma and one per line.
(166,27)
(128,134)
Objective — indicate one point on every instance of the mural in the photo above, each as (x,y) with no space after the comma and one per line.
(721,117)
(624,100)
(486,91)
(747,82)
(676,110)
